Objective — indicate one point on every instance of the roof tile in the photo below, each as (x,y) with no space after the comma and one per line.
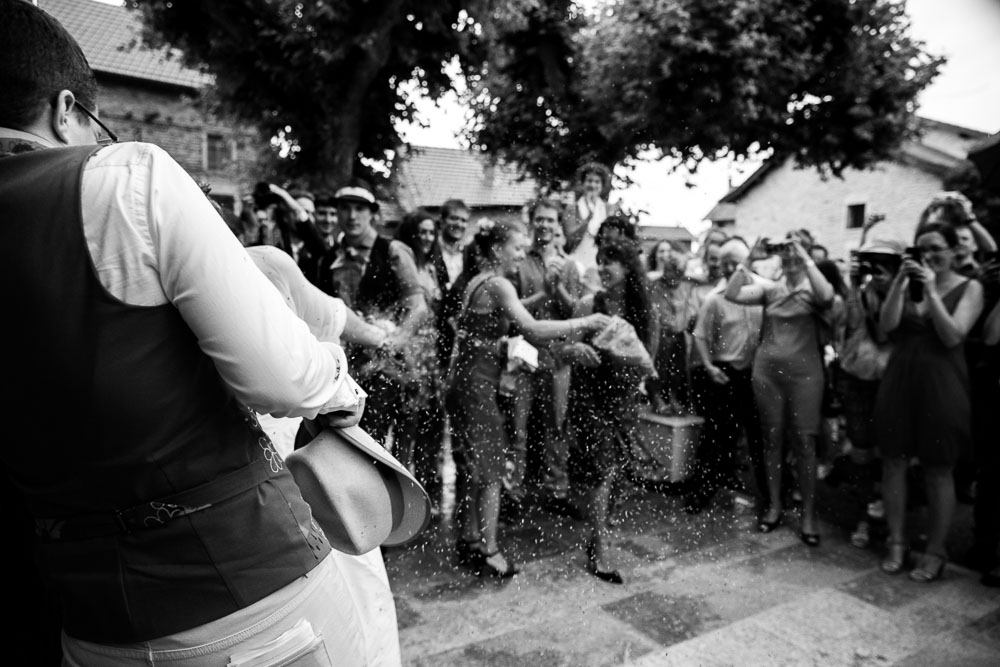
(429,176)
(110,38)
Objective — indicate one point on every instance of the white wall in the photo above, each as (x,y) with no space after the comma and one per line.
(789,198)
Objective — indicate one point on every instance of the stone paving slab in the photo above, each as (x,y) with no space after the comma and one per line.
(705,590)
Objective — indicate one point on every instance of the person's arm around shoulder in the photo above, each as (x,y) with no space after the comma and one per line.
(261,349)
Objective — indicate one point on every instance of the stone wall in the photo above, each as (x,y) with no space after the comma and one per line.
(169,117)
(789,198)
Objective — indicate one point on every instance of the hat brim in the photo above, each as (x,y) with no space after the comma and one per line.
(373,206)
(358,505)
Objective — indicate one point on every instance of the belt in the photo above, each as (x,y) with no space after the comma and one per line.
(159,512)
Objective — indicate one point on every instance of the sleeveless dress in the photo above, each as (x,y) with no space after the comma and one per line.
(603,416)
(923,406)
(479,439)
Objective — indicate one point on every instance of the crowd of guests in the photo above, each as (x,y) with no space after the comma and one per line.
(801,367)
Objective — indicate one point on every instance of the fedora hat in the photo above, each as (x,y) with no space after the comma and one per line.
(357,190)
(360,495)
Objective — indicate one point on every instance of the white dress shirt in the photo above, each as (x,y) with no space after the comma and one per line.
(154,238)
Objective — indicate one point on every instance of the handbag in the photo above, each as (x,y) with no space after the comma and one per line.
(360,495)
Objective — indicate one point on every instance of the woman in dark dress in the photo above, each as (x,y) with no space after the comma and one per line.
(604,395)
(922,408)
(491,309)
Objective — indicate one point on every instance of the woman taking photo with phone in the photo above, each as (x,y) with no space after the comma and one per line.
(922,408)
(788,372)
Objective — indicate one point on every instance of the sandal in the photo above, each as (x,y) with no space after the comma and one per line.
(930,568)
(497,565)
(895,560)
(860,538)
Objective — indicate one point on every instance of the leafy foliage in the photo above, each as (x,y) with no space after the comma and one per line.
(832,82)
(321,75)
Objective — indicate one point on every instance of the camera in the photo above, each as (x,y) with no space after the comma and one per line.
(916,287)
(776,247)
(869,263)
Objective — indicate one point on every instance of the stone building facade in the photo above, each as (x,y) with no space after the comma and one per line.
(778,197)
(148,95)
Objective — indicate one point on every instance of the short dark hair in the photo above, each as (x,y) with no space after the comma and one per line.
(621,223)
(38,58)
(536,204)
(946,231)
(452,205)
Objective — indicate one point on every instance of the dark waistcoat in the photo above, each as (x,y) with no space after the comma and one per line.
(124,408)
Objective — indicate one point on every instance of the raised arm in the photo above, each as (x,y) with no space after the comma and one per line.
(952,328)
(745,288)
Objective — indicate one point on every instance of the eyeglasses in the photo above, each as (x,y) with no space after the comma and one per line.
(111,137)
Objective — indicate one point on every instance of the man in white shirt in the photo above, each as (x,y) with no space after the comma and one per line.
(166,519)
(725,337)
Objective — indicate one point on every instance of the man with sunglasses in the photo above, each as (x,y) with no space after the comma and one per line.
(143,340)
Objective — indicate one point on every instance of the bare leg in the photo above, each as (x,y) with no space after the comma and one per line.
(598,504)
(940,505)
(894,497)
(489,516)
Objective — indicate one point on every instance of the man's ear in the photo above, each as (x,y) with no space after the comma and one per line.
(61,116)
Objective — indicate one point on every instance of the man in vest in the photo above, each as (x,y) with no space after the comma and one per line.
(144,339)
(377,278)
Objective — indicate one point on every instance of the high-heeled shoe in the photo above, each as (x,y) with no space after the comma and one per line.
(926,572)
(468,554)
(610,576)
(809,539)
(895,559)
(498,565)
(768,526)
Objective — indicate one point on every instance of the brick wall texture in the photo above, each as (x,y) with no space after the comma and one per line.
(170,119)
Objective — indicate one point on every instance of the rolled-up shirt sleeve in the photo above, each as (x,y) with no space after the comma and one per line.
(262,350)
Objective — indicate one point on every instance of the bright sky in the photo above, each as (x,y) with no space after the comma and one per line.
(966,93)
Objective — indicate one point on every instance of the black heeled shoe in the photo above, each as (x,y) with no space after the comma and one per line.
(468,554)
(498,565)
(610,576)
(768,526)
(809,539)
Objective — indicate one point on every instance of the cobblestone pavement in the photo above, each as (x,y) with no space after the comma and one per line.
(699,590)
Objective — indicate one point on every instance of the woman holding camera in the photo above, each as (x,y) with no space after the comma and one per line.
(923,408)
(491,308)
(788,371)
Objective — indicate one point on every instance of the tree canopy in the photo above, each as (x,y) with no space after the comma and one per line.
(832,82)
(552,84)
(324,76)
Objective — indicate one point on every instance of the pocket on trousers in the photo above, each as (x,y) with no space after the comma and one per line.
(299,647)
